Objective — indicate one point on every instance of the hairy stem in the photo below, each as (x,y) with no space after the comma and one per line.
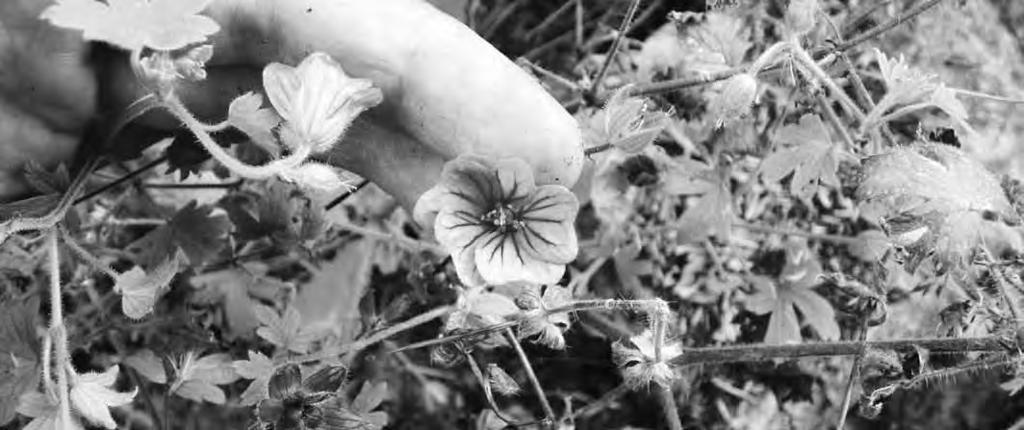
(668,405)
(58,332)
(96,264)
(269,170)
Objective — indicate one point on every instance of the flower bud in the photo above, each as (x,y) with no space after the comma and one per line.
(735,99)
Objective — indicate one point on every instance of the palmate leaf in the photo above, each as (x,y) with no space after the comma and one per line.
(234,290)
(195,230)
(19,359)
(133,24)
(360,414)
(807,153)
(258,368)
(790,294)
(284,331)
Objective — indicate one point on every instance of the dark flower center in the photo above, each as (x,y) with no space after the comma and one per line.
(503,218)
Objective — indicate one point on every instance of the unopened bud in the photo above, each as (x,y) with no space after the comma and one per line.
(735,100)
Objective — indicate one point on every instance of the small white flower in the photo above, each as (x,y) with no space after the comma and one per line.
(317,100)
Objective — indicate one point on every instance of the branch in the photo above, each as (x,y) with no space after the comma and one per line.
(762,352)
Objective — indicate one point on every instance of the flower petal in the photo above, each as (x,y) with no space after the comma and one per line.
(548,220)
(472,179)
(281,84)
(515,178)
(501,259)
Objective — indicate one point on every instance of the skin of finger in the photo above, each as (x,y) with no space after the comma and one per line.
(47,93)
(442,83)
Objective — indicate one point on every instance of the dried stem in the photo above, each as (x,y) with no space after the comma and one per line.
(341,199)
(142,169)
(405,242)
(359,345)
(623,29)
(548,412)
(762,352)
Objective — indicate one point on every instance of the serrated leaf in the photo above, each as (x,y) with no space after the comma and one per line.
(726,35)
(277,210)
(195,230)
(330,300)
(906,86)
(941,198)
(234,289)
(19,359)
(46,182)
(258,368)
(626,122)
(148,365)
(92,397)
(198,377)
(284,331)
(246,113)
(133,24)
(808,154)
(139,289)
(710,215)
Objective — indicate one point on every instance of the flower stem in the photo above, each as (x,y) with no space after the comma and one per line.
(809,65)
(58,333)
(541,396)
(269,170)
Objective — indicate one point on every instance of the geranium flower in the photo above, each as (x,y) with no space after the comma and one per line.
(317,100)
(500,226)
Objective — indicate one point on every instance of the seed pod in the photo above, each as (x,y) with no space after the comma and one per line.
(734,101)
